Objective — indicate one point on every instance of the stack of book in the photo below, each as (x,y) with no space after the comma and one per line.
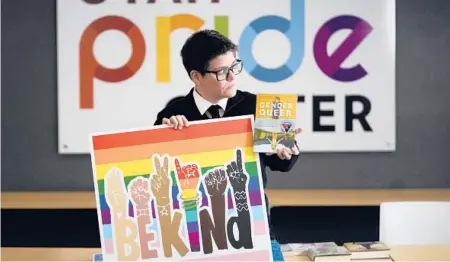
(330,251)
(373,251)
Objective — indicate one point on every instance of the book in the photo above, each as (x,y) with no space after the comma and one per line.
(337,253)
(275,122)
(301,249)
(368,250)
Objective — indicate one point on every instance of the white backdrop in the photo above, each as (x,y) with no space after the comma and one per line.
(86,56)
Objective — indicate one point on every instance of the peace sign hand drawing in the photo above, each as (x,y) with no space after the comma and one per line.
(160,180)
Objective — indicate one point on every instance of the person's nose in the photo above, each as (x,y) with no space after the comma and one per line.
(231,76)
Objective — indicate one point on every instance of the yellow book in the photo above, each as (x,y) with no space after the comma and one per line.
(274,125)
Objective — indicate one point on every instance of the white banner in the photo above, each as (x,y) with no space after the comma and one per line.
(119,64)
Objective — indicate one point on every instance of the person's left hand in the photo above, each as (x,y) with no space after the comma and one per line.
(286,153)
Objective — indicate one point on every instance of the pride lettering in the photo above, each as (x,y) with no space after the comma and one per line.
(332,65)
(293,29)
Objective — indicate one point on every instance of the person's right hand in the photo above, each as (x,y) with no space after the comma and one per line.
(177,122)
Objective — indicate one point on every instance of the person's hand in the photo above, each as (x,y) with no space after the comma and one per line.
(177,122)
(286,153)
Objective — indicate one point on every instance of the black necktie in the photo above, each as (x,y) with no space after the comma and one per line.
(214,111)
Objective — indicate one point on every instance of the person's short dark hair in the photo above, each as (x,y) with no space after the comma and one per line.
(203,46)
(174,100)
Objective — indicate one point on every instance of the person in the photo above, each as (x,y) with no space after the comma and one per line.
(211,62)
(174,99)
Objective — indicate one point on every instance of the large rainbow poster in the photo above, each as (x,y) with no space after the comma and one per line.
(181,195)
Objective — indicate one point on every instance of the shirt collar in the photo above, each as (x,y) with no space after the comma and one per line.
(203,104)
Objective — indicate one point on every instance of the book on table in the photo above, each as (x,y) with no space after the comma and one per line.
(337,253)
(368,250)
(301,249)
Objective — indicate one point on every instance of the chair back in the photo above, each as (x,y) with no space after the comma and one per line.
(415,223)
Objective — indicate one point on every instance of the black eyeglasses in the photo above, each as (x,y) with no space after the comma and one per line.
(222,74)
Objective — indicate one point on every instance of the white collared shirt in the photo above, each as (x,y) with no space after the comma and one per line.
(203,104)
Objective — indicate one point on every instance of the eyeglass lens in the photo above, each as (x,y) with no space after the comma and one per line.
(235,69)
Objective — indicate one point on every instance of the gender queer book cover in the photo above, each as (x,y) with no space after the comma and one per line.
(275,121)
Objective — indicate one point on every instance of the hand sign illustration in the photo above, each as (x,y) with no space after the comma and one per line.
(238,180)
(124,228)
(187,171)
(160,181)
(236,175)
(188,178)
(161,184)
(140,192)
(116,192)
(188,181)
(216,182)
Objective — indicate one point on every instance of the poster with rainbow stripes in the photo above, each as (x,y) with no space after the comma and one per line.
(181,195)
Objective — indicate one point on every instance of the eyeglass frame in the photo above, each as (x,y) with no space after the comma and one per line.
(228,70)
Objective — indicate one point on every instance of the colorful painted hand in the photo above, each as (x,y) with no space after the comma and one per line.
(188,182)
(189,179)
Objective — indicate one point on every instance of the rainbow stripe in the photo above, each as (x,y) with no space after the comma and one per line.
(207,144)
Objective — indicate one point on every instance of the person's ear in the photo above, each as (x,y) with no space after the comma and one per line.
(196,76)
